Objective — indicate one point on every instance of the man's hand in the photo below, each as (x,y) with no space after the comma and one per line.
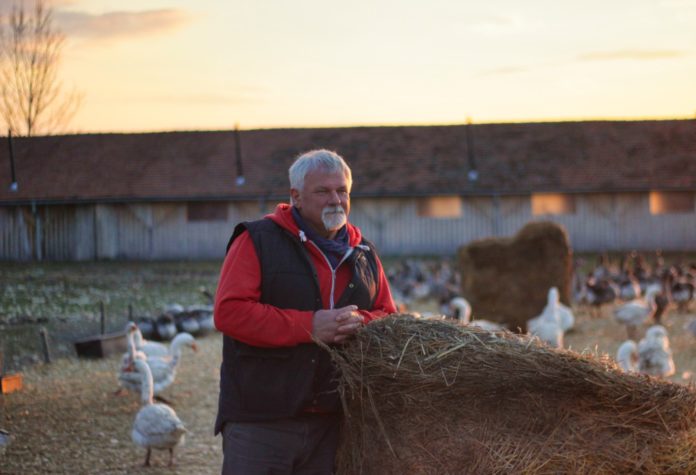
(335,325)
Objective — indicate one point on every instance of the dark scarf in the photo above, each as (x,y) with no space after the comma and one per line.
(333,249)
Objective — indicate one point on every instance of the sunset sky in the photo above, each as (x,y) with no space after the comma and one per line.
(154,65)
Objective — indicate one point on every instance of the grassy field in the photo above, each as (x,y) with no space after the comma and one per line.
(68,290)
(64,298)
(43,291)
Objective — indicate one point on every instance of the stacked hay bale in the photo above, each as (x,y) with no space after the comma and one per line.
(507,280)
(426,397)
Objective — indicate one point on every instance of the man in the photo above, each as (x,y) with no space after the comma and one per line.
(300,274)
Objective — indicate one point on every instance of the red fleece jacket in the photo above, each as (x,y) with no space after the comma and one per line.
(240,315)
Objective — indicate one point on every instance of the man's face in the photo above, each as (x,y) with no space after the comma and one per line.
(324,203)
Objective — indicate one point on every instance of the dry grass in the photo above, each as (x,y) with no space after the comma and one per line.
(433,397)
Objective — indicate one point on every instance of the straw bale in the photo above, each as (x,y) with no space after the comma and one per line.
(506,280)
(433,397)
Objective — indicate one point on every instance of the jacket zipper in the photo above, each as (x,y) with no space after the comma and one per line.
(333,271)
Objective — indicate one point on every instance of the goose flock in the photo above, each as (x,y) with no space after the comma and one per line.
(162,366)
(607,284)
(148,368)
(412,281)
(641,297)
(636,311)
(196,320)
(651,356)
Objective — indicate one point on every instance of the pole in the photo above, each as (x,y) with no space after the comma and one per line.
(14,186)
(38,237)
(238,152)
(43,333)
(102,317)
(472,174)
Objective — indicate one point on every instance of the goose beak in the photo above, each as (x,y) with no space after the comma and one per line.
(194,347)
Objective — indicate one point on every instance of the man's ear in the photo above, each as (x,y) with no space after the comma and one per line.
(295,195)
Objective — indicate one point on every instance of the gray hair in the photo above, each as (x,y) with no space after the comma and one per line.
(321,159)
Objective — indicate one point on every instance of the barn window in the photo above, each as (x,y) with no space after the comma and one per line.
(206,211)
(663,202)
(440,207)
(552,203)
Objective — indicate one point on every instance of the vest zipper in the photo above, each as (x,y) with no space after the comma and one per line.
(333,271)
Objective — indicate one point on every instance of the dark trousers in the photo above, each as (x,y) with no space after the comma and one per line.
(305,445)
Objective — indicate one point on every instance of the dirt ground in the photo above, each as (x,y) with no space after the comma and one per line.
(67,419)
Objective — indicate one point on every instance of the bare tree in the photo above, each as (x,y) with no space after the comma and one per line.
(32,98)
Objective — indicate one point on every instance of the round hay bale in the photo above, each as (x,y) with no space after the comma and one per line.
(506,280)
(432,397)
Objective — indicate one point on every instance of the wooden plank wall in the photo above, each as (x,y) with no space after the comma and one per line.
(611,222)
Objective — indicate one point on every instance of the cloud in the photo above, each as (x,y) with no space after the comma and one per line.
(639,55)
(618,55)
(120,23)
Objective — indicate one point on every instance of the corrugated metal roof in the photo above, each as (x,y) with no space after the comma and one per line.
(386,161)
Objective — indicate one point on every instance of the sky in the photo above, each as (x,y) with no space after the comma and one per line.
(158,65)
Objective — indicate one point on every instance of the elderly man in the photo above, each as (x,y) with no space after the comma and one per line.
(300,274)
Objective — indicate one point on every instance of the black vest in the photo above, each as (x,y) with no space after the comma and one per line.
(270,383)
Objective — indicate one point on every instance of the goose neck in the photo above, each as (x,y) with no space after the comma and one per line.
(138,338)
(146,387)
(130,339)
(175,347)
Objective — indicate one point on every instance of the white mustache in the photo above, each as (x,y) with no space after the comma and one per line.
(333,210)
(333,217)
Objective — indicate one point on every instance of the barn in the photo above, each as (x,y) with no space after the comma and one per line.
(418,190)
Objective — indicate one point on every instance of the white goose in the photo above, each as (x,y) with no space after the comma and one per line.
(547,325)
(654,353)
(460,309)
(132,354)
(204,316)
(156,426)
(206,321)
(564,312)
(187,322)
(634,313)
(150,348)
(165,327)
(627,356)
(629,289)
(163,368)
